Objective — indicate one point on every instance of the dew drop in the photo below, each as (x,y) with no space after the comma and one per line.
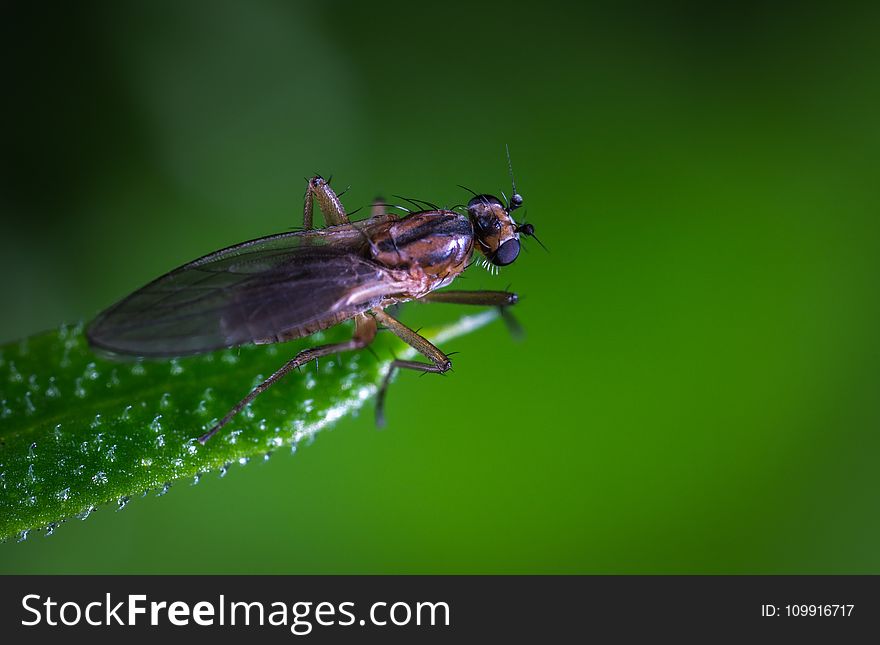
(31,448)
(22,536)
(156,423)
(50,528)
(31,476)
(229,358)
(308,405)
(165,488)
(14,374)
(78,388)
(160,441)
(196,479)
(57,432)
(84,447)
(99,477)
(113,381)
(248,412)
(85,514)
(95,422)
(28,404)
(243,461)
(310,381)
(111,454)
(126,413)
(4,410)
(262,425)
(177,463)
(267,456)
(91,372)
(138,369)
(79,470)
(175,367)
(31,501)
(146,462)
(63,495)
(347,382)
(257,380)
(165,401)
(122,502)
(277,442)
(208,394)
(224,469)
(191,446)
(232,437)
(201,408)
(32,383)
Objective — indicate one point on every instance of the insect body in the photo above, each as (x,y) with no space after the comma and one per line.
(285,286)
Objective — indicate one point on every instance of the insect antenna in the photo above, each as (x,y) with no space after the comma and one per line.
(529,230)
(516,199)
(467,189)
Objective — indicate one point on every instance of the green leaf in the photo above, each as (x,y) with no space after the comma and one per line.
(78,431)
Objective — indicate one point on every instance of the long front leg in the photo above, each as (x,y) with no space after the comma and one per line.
(484,298)
(501,299)
(331,207)
(439,361)
(364,332)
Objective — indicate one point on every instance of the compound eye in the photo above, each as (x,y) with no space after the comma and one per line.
(485,201)
(506,253)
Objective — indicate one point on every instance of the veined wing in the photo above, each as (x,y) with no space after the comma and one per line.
(290,284)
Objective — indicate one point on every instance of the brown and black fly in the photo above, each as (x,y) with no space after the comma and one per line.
(290,285)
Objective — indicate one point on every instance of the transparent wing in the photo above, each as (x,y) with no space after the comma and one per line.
(285,285)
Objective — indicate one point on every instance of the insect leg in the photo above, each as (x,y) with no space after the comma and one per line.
(364,332)
(439,361)
(485,298)
(501,299)
(332,209)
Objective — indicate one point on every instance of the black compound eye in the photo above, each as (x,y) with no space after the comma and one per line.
(506,253)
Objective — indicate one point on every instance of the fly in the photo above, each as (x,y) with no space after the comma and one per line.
(290,285)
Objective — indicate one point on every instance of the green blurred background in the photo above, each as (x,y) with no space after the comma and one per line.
(698,389)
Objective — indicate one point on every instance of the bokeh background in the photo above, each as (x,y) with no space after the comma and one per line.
(698,388)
